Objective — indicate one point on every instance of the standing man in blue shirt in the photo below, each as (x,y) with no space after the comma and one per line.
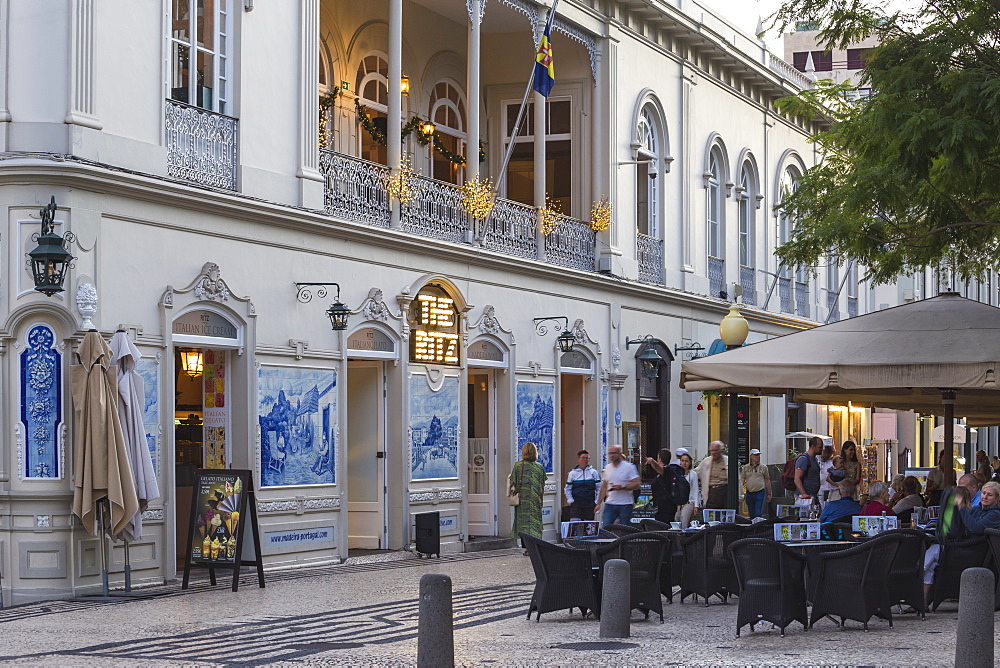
(581,488)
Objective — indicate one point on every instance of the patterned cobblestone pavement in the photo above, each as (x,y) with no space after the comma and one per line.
(365,614)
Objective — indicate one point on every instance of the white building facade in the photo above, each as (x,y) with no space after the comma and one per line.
(209,155)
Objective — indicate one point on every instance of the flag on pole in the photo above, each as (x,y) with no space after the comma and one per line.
(545,71)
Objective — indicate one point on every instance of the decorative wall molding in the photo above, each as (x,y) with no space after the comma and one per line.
(210,285)
(450,494)
(299,505)
(153,515)
(550,488)
(418,497)
(43,521)
(82,77)
(374,308)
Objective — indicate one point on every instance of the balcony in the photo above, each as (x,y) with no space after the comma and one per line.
(801,299)
(832,299)
(355,190)
(852,307)
(716,276)
(785,294)
(748,281)
(649,251)
(201,146)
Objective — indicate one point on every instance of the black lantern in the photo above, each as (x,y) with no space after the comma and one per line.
(566,338)
(338,312)
(566,341)
(650,361)
(50,259)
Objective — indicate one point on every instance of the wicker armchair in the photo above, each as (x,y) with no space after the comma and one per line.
(852,583)
(563,578)
(620,530)
(647,524)
(763,529)
(955,557)
(708,571)
(906,575)
(993,537)
(645,553)
(772,582)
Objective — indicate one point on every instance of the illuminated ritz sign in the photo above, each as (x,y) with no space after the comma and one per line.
(434,339)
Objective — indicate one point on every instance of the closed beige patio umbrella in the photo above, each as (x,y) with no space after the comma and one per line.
(938,355)
(104,496)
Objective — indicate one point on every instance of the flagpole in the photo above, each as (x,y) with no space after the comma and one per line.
(520,111)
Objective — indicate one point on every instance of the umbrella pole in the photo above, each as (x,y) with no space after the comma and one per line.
(104,548)
(128,570)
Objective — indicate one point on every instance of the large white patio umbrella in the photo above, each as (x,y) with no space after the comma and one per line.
(938,355)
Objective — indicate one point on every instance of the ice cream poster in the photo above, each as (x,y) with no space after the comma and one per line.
(217,521)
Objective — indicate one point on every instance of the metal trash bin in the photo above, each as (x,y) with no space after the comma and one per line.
(429,534)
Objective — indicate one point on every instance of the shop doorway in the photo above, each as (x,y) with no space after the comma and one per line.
(572,423)
(482,453)
(202,424)
(366,474)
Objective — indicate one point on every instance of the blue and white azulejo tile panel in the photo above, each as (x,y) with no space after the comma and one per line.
(536,419)
(433,429)
(41,404)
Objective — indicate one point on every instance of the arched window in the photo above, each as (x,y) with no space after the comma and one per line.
(447,111)
(789,184)
(715,206)
(372,89)
(747,201)
(647,188)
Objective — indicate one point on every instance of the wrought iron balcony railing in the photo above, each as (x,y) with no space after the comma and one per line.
(355,190)
(785,294)
(833,306)
(748,281)
(716,276)
(649,252)
(802,299)
(201,145)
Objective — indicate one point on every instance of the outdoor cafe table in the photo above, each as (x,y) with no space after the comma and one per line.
(592,544)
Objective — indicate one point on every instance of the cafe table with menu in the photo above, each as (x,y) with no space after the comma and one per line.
(219,525)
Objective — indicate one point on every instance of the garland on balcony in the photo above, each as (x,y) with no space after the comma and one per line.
(327,101)
(413,125)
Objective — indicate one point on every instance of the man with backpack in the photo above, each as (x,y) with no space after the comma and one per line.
(807,480)
(671,488)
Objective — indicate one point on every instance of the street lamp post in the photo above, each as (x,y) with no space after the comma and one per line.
(733,330)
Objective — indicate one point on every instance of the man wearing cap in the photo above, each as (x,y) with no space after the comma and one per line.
(756,482)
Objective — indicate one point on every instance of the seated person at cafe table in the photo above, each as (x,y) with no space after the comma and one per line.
(907,498)
(974,519)
(878,493)
(843,507)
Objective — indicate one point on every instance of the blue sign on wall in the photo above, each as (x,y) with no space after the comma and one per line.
(41,404)
(275,539)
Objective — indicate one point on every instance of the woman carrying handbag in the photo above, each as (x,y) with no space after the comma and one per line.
(525,488)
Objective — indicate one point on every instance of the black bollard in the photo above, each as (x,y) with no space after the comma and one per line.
(435,637)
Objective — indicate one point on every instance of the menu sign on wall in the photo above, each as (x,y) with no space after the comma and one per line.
(435,337)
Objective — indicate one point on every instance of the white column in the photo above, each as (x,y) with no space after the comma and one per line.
(472,91)
(539,171)
(82,107)
(395,121)
(310,180)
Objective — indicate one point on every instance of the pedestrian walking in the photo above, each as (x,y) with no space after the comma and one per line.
(694,497)
(713,474)
(528,480)
(619,479)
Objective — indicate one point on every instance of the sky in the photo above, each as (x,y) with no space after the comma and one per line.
(744,13)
